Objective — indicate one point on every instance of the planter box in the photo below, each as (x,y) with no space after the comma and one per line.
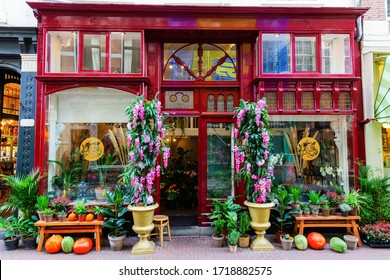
(376,245)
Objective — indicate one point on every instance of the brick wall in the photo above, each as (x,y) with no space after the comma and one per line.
(377,9)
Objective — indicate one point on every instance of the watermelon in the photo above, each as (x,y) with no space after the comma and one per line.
(338,244)
(67,244)
(300,242)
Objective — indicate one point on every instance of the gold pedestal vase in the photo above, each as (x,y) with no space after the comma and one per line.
(260,214)
(143,226)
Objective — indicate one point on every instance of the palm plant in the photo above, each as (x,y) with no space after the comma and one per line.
(24,193)
(296,193)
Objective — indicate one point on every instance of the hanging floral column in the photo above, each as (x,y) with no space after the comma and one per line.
(147,144)
(253,165)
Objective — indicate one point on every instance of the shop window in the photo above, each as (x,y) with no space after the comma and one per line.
(11,97)
(326,101)
(305,54)
(200,62)
(61,53)
(112,52)
(276,53)
(82,125)
(336,54)
(324,164)
(345,100)
(272,100)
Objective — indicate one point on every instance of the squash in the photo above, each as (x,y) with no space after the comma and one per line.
(338,245)
(316,241)
(89,217)
(300,242)
(67,244)
(82,245)
(72,217)
(53,244)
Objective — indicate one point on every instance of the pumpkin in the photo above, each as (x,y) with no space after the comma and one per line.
(72,217)
(53,244)
(82,245)
(316,241)
(89,217)
(67,244)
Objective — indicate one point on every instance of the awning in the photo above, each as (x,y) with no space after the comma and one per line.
(382,99)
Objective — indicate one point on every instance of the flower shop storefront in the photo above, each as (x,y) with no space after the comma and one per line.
(94,59)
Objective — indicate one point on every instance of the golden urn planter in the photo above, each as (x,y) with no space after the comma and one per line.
(260,214)
(143,226)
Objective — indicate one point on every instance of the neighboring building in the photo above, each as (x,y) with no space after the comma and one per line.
(375,50)
(18,37)
(93,59)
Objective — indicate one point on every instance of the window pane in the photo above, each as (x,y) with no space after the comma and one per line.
(94,52)
(61,52)
(305,53)
(276,52)
(76,116)
(336,54)
(125,52)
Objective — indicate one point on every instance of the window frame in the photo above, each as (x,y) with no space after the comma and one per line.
(81,53)
(294,72)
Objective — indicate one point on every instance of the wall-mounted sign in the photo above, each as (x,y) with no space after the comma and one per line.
(308,148)
(92,149)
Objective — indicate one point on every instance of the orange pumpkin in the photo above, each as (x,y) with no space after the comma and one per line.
(316,240)
(82,245)
(72,217)
(53,244)
(89,217)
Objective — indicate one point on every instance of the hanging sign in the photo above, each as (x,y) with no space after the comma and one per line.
(92,149)
(308,148)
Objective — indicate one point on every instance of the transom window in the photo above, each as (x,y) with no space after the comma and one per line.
(75,52)
(295,53)
(200,62)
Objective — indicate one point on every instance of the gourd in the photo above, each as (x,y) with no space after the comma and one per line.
(338,245)
(82,245)
(53,244)
(72,217)
(89,217)
(300,242)
(316,241)
(67,244)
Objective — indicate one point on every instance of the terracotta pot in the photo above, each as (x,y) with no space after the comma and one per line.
(325,212)
(351,241)
(218,240)
(233,248)
(243,241)
(260,214)
(81,218)
(100,217)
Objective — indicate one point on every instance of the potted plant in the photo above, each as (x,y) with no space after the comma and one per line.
(48,215)
(281,212)
(12,234)
(287,241)
(334,199)
(306,209)
(325,209)
(43,202)
(103,165)
(244,224)
(344,208)
(99,213)
(296,193)
(62,216)
(315,199)
(70,171)
(28,231)
(59,204)
(217,236)
(253,165)
(24,193)
(376,235)
(356,200)
(80,209)
(147,145)
(115,212)
(233,240)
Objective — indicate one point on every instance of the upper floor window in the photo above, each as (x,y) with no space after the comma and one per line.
(200,62)
(281,51)
(112,52)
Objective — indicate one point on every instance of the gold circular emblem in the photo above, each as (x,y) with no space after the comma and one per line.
(92,149)
(308,148)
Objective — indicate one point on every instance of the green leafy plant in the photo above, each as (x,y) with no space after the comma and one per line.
(24,193)
(103,165)
(344,207)
(233,237)
(296,193)
(244,223)
(48,211)
(98,210)
(11,225)
(79,207)
(27,228)
(283,214)
(325,206)
(43,202)
(115,212)
(315,197)
(355,199)
(218,227)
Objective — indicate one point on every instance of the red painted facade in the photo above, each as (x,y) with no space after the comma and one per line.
(196,24)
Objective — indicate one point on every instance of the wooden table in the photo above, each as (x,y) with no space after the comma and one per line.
(337,220)
(46,228)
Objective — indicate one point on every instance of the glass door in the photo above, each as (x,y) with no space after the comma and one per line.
(217,168)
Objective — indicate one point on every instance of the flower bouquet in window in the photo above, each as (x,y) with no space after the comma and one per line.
(253,166)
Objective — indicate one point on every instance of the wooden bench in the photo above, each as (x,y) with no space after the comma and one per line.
(58,227)
(337,220)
